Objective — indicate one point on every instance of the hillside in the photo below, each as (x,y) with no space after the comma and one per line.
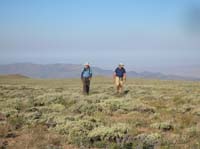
(13,76)
(53,113)
(74,70)
(49,70)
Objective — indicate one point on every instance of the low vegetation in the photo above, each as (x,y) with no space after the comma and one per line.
(39,113)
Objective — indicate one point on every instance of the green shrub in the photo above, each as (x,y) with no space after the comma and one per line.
(9,111)
(57,107)
(193,131)
(4,130)
(17,121)
(165,126)
(112,133)
(83,107)
(77,131)
(114,106)
(148,139)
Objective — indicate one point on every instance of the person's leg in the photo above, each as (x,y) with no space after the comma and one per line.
(87,89)
(84,86)
(121,86)
(88,86)
(117,83)
(118,88)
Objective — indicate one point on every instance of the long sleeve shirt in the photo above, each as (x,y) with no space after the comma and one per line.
(86,73)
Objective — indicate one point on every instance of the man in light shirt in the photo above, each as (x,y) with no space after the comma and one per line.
(86,77)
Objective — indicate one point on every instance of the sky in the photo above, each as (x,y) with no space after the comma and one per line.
(139,33)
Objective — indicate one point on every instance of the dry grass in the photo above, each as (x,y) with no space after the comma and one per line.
(53,113)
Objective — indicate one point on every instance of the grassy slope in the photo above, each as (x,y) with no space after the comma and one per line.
(154,112)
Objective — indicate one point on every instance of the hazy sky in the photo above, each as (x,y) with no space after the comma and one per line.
(140,33)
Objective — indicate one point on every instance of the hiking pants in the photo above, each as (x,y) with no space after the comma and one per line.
(86,85)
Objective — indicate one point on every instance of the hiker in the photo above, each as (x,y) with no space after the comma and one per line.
(119,77)
(86,77)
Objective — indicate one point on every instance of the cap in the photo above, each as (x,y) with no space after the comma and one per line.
(121,64)
(86,64)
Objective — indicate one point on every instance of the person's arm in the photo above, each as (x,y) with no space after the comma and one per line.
(124,75)
(82,75)
(90,74)
(114,75)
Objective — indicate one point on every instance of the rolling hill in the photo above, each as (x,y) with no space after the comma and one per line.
(73,71)
(13,76)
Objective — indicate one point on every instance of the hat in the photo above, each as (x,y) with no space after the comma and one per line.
(121,64)
(87,64)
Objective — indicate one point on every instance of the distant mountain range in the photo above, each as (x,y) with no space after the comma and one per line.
(13,76)
(74,70)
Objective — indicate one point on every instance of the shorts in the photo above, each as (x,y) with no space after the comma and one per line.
(119,81)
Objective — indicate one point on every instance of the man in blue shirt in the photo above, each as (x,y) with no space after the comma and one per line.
(86,76)
(119,77)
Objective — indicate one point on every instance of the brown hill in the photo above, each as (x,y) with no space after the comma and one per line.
(74,71)
(13,76)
